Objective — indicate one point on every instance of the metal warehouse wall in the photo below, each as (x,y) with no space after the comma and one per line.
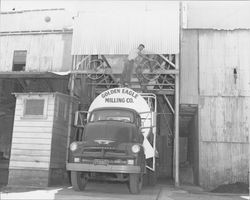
(224,106)
(216,43)
(189,67)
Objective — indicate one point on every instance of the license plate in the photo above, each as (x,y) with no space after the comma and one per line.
(100,162)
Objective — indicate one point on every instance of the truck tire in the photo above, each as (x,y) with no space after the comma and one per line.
(79,180)
(135,183)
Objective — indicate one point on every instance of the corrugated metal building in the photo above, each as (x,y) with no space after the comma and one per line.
(215,74)
(119,31)
(214,46)
(113,29)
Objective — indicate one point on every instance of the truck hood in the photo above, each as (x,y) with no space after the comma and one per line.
(108,132)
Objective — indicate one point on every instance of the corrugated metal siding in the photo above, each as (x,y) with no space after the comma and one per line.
(120,31)
(35,20)
(218,15)
(219,53)
(189,67)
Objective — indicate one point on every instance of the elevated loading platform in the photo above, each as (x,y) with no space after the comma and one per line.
(156,73)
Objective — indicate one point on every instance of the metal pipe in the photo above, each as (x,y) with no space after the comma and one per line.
(176,116)
(71,90)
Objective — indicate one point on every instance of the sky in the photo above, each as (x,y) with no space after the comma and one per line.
(74,5)
(8,5)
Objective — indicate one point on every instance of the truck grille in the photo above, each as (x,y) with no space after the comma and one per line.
(105,161)
(107,152)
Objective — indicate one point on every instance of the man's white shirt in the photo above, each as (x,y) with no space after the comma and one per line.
(133,54)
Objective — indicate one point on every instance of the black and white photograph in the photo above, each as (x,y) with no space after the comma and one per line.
(124,100)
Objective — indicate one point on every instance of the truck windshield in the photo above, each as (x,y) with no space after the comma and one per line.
(112,115)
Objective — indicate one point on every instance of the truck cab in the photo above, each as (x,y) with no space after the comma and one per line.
(110,149)
(116,140)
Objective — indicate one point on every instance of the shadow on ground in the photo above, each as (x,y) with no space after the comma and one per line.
(239,188)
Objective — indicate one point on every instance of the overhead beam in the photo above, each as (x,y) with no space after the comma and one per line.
(21,75)
(171,71)
(106,61)
(169,104)
(168,61)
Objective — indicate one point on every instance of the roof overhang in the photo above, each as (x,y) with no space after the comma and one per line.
(13,75)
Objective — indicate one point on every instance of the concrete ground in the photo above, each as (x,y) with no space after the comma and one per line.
(113,191)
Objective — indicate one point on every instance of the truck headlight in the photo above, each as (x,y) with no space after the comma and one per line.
(135,148)
(73,146)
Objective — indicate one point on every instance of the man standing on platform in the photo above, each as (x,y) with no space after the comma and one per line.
(133,58)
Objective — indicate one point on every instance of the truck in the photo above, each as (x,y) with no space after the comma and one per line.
(115,141)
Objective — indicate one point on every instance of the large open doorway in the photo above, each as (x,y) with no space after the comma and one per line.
(156,74)
(189,144)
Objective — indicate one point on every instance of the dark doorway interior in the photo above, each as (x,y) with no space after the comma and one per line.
(189,145)
(19,60)
(7,108)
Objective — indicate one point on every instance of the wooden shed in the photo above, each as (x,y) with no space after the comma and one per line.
(39,142)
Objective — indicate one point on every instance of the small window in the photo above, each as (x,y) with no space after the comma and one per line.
(34,107)
(19,60)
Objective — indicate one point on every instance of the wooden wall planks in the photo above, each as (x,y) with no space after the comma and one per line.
(224,119)
(45,52)
(40,143)
(224,107)
(32,135)
(219,53)
(60,132)
(225,163)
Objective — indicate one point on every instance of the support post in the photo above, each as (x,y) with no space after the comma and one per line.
(176,124)
(71,93)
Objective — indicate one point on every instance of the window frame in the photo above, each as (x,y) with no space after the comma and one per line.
(21,63)
(45,108)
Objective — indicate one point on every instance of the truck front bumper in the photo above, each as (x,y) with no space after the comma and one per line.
(103,168)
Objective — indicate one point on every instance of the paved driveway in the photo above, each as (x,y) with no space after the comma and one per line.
(113,191)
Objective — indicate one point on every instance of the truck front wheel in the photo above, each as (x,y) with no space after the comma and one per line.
(135,183)
(79,180)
